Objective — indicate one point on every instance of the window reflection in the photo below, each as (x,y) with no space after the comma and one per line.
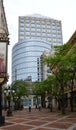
(25,55)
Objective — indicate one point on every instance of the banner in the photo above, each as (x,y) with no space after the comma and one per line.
(2,57)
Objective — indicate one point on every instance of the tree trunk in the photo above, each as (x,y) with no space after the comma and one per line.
(62,100)
(43,100)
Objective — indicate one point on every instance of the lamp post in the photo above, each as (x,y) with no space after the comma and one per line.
(4,41)
(9,93)
(5,100)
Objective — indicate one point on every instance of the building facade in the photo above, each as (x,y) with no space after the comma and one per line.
(45,68)
(26,59)
(40,27)
(3,22)
(36,34)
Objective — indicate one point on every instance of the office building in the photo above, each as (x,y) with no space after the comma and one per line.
(36,34)
(40,27)
(26,59)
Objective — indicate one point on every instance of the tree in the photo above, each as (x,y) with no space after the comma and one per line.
(38,90)
(46,86)
(59,65)
(21,90)
(71,63)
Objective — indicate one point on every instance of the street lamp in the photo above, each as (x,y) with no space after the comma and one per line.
(5,100)
(4,41)
(9,93)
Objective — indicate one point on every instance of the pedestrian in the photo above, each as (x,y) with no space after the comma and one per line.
(39,107)
(36,106)
(29,108)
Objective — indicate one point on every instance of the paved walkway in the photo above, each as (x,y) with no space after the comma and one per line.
(39,120)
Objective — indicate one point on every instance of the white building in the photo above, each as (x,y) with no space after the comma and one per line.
(40,27)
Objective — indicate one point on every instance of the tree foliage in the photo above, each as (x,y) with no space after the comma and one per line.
(63,65)
(20,88)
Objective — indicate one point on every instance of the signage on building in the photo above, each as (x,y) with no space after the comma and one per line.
(3,58)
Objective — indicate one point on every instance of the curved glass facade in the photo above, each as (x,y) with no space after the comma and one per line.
(26,59)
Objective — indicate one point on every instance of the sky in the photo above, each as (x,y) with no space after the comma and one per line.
(63,10)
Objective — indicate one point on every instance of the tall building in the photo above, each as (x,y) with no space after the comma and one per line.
(26,59)
(36,34)
(40,27)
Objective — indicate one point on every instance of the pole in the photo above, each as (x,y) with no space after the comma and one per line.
(2,118)
(9,111)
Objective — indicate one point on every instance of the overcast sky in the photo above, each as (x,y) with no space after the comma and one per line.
(64,10)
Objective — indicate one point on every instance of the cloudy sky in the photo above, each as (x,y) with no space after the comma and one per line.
(64,10)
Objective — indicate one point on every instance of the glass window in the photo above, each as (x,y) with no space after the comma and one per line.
(38,21)
(38,34)
(37,25)
(43,26)
(48,34)
(48,31)
(58,31)
(32,29)
(27,33)
(21,37)
(53,23)
(25,57)
(22,24)
(38,29)
(44,38)
(28,24)
(54,40)
(33,37)
(32,25)
(21,20)
(43,30)
(59,40)
(43,22)
(21,28)
(27,29)
(27,37)
(48,26)
(54,35)
(27,20)
(53,31)
(43,34)
(32,33)
(32,21)
(49,38)
(21,32)
(53,27)
(59,35)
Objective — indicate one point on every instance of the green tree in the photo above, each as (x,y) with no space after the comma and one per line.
(21,90)
(38,90)
(46,86)
(71,64)
(59,66)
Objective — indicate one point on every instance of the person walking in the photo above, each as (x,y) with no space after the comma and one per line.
(29,108)
(36,106)
(39,107)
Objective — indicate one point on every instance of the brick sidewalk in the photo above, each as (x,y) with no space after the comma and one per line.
(39,120)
